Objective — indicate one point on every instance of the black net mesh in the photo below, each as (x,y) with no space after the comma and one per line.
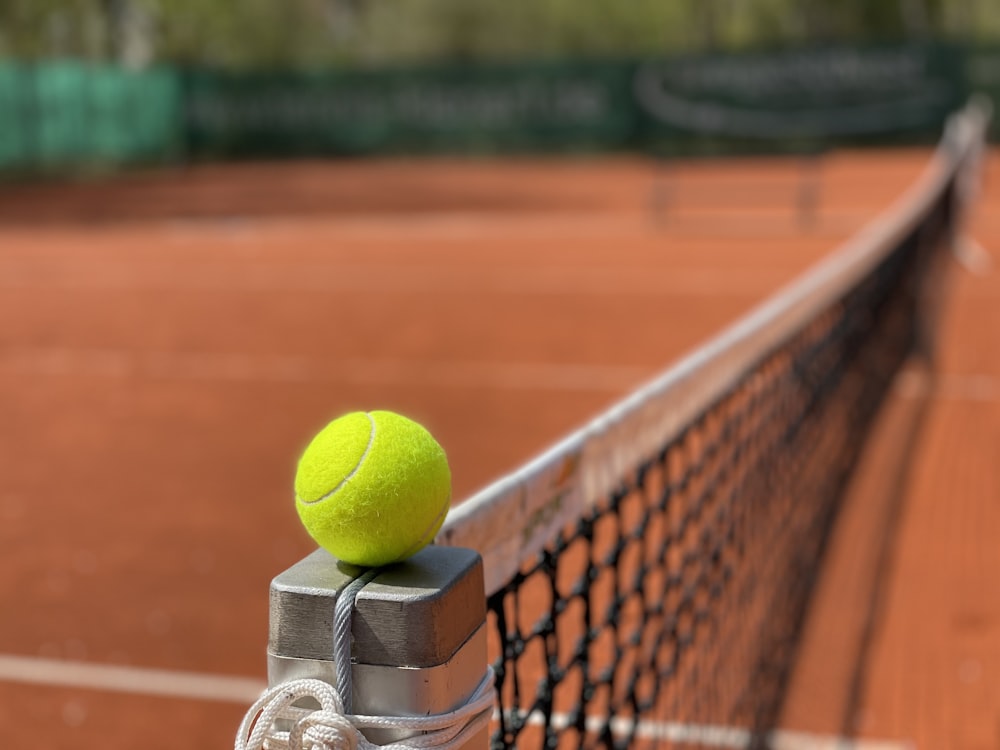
(669,615)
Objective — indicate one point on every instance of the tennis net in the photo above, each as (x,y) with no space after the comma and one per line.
(648,576)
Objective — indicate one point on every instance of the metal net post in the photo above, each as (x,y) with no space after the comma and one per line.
(418,633)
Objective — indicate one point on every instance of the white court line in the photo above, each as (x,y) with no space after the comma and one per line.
(975,258)
(304,277)
(222,367)
(913,384)
(714,736)
(239,229)
(132,680)
(163,683)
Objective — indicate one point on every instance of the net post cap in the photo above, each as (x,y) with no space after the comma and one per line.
(416,613)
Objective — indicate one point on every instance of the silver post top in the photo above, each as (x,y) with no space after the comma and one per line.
(413,614)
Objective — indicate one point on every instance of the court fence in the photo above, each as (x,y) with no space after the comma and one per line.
(62,115)
(59,115)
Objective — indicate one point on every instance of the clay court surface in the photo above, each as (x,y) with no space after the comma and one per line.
(170,341)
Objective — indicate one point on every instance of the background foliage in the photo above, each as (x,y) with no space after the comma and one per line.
(360,33)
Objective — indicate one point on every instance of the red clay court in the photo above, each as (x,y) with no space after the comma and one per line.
(170,341)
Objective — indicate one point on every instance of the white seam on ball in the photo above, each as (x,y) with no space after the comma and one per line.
(357,467)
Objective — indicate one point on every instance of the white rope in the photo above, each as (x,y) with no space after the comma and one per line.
(342,614)
(330,728)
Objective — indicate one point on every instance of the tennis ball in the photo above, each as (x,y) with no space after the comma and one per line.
(373,488)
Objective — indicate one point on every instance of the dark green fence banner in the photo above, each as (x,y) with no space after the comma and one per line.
(784,100)
(61,115)
(802,97)
(982,75)
(64,115)
(550,107)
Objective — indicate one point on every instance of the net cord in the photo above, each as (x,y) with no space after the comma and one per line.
(555,488)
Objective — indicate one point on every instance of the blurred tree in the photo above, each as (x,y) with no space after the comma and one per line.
(48,28)
(845,20)
(308,33)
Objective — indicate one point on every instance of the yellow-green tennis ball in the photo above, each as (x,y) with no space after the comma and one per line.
(373,488)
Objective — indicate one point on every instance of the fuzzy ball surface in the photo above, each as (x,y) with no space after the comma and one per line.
(373,488)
